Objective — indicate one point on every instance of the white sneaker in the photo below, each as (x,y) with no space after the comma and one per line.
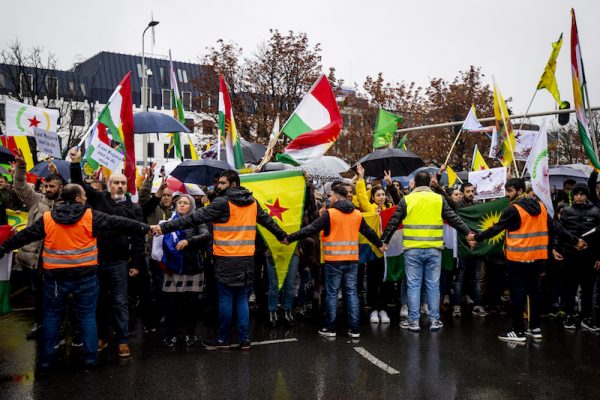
(384,317)
(374,317)
(479,311)
(404,311)
(424,309)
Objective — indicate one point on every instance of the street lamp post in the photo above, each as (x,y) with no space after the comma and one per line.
(145,91)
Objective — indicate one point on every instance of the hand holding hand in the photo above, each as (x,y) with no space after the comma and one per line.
(182,244)
(285,241)
(133,272)
(155,230)
(581,245)
(383,248)
(472,243)
(557,256)
(470,237)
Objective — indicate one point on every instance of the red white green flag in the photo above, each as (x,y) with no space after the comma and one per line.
(580,94)
(227,129)
(177,106)
(115,122)
(314,126)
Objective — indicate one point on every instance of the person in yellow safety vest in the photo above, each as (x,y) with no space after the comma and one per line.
(339,227)
(528,230)
(234,215)
(70,261)
(423,213)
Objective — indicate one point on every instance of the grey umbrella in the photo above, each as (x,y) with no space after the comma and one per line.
(154,122)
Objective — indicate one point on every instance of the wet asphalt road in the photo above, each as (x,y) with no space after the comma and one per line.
(463,361)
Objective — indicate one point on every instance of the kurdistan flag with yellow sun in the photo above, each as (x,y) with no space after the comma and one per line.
(281,194)
(478,218)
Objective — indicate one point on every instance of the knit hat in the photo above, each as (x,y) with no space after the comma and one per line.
(581,188)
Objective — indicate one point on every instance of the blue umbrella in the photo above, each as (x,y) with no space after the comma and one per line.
(154,122)
(63,167)
(200,172)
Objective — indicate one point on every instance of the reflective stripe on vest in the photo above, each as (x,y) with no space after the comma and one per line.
(530,241)
(423,225)
(342,242)
(69,246)
(236,237)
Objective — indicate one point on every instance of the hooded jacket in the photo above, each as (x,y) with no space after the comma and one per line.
(511,221)
(67,214)
(323,223)
(230,271)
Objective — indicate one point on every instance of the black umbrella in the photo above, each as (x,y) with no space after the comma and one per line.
(154,122)
(400,162)
(63,167)
(253,152)
(200,172)
(6,156)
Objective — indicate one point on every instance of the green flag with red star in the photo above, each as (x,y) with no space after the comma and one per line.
(281,195)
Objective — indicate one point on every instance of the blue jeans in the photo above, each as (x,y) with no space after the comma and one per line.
(288,284)
(56,297)
(113,300)
(336,275)
(229,297)
(423,264)
(468,272)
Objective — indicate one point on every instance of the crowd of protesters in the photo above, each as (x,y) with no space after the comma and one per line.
(100,262)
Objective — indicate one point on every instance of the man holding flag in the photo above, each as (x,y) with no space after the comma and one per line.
(528,229)
(234,214)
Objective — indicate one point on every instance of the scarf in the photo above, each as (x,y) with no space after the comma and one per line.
(173,258)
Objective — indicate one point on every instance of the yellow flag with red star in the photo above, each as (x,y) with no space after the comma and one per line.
(281,194)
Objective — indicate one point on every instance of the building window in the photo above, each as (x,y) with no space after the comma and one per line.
(26,85)
(185,79)
(189,123)
(71,88)
(150,150)
(167,153)
(77,118)
(207,127)
(139,68)
(163,79)
(52,87)
(166,99)
(2,108)
(186,99)
(2,81)
(187,153)
(82,88)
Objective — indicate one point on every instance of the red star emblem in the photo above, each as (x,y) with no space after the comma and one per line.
(276,210)
(33,122)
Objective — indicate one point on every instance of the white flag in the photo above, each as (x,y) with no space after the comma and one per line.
(471,122)
(275,130)
(22,118)
(537,165)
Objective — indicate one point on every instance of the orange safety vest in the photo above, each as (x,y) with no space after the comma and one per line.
(530,241)
(236,237)
(342,242)
(69,246)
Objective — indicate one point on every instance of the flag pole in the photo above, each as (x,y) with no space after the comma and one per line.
(452,147)
(590,117)
(527,111)
(504,121)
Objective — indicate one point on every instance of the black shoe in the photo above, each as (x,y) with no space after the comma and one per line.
(569,323)
(513,336)
(216,345)
(354,333)
(169,342)
(327,333)
(191,340)
(34,332)
(289,318)
(245,345)
(273,318)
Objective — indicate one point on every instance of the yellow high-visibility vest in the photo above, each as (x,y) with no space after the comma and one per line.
(423,225)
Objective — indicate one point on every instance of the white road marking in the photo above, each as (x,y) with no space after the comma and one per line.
(376,361)
(274,341)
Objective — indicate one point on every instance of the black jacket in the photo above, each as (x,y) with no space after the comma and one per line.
(67,214)
(578,219)
(400,213)
(231,271)
(115,245)
(323,223)
(511,221)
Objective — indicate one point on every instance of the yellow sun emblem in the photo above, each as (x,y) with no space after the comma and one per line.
(487,221)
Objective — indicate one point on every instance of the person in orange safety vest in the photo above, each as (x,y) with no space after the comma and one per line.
(70,260)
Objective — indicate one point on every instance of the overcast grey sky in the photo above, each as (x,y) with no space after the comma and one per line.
(406,40)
